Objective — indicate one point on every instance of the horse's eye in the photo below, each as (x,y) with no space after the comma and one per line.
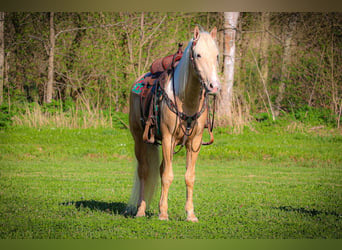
(198,56)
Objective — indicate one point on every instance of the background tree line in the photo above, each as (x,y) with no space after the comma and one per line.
(284,62)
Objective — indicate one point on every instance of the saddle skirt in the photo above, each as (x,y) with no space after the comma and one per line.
(149,89)
(143,86)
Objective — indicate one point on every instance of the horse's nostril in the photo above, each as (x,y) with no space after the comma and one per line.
(211,85)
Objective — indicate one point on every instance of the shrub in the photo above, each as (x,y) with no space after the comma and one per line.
(315,116)
(5,116)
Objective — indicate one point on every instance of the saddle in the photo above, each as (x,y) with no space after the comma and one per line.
(149,88)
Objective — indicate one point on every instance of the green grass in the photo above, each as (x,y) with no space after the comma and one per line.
(74,183)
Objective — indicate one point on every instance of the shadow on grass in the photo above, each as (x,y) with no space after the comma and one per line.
(113,207)
(310,212)
(119,208)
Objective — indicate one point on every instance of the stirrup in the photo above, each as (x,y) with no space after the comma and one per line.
(148,129)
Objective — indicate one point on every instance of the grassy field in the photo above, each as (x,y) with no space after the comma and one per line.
(74,183)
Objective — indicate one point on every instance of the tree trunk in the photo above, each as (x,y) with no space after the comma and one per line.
(265,19)
(2,56)
(64,80)
(265,22)
(142,38)
(49,86)
(225,100)
(286,60)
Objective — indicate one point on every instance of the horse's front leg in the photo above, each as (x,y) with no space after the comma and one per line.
(166,174)
(191,157)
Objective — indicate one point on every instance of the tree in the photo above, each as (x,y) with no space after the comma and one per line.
(2,56)
(225,99)
(284,61)
(265,22)
(69,55)
(289,30)
(49,86)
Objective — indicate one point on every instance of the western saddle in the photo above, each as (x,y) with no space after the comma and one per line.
(151,93)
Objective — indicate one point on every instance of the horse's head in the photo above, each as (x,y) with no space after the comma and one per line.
(204,57)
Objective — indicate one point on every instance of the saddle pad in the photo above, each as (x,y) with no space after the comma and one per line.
(138,87)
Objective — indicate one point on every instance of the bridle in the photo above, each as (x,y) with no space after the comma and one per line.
(204,83)
(191,120)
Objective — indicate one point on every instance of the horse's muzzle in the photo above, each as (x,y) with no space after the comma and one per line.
(213,87)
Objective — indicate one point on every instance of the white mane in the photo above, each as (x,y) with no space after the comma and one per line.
(182,71)
(181,75)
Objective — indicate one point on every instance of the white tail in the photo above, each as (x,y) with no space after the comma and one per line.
(151,182)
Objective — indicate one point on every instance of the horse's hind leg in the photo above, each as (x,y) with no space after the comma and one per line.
(147,156)
(147,174)
(142,170)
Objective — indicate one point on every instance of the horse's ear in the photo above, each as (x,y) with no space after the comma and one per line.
(196,33)
(213,33)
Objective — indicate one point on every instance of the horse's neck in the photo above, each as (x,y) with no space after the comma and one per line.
(189,93)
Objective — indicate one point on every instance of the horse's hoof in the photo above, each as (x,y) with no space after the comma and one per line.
(192,219)
(164,217)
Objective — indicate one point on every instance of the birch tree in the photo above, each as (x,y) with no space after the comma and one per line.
(225,99)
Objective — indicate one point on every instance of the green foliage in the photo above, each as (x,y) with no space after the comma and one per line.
(315,116)
(261,117)
(52,107)
(68,104)
(5,116)
(75,183)
(98,56)
(56,106)
(306,116)
(120,119)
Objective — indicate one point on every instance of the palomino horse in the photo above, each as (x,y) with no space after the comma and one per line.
(182,122)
